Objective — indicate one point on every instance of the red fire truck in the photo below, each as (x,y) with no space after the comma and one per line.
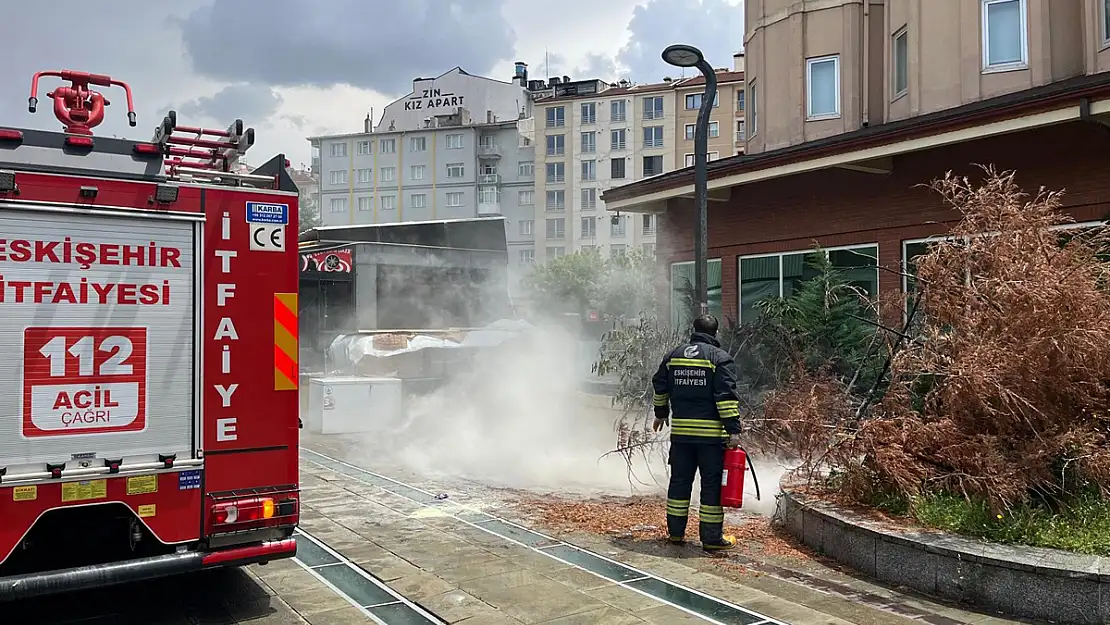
(148,322)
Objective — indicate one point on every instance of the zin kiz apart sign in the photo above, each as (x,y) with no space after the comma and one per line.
(427,99)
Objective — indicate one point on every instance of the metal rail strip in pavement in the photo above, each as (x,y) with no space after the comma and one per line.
(371,596)
(689,600)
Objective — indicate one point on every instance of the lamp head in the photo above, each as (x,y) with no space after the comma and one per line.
(682,55)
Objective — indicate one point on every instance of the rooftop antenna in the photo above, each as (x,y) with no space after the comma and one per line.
(547,63)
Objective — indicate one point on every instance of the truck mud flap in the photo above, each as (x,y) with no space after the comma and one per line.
(84,577)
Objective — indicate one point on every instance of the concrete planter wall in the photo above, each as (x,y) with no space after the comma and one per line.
(1029,582)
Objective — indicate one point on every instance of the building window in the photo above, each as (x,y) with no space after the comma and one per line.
(488,142)
(617,139)
(556,200)
(653,165)
(455,198)
(618,110)
(823,87)
(388,146)
(556,172)
(527,257)
(556,252)
(486,169)
(780,275)
(365,176)
(526,169)
(339,150)
(589,227)
(525,227)
(899,52)
(489,195)
(692,129)
(589,142)
(618,249)
(589,170)
(740,100)
(338,205)
(339,176)
(557,228)
(362,148)
(682,291)
(389,174)
(617,226)
(589,113)
(649,249)
(753,114)
(418,200)
(653,107)
(418,144)
(556,145)
(1105,9)
(617,169)
(525,198)
(454,142)
(389,202)
(741,132)
(589,199)
(455,170)
(365,204)
(649,225)
(1005,41)
(693,100)
(556,117)
(653,136)
(416,172)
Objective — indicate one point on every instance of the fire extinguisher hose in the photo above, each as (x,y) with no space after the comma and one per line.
(755,479)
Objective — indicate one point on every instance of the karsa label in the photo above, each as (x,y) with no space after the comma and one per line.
(84,381)
(262,213)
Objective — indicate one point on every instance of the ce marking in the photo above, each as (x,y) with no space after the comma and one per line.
(267,237)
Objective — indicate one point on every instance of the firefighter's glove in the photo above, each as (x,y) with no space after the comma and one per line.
(659,423)
(733,441)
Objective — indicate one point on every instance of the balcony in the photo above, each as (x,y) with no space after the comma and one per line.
(489,179)
(489,207)
(489,150)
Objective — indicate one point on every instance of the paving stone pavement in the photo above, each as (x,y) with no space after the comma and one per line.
(466,575)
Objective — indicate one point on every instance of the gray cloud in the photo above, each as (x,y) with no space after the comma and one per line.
(714,26)
(375,45)
(250,103)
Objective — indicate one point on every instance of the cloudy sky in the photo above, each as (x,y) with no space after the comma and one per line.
(295,68)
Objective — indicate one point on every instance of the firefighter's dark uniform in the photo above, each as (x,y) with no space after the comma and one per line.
(698,382)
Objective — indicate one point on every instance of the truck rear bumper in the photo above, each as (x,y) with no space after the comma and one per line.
(80,578)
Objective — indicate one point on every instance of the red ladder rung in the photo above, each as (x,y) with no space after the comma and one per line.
(200,143)
(202,131)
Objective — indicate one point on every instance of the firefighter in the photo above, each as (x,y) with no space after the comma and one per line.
(697,382)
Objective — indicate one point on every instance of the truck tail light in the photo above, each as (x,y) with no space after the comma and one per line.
(243,511)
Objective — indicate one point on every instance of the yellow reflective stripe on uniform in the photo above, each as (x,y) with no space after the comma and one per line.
(728,408)
(705,428)
(711,514)
(660,399)
(678,507)
(691,362)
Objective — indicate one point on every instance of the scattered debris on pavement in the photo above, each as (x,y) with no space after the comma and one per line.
(643,518)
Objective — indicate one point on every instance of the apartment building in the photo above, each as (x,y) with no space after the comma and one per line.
(853,105)
(429,159)
(727,135)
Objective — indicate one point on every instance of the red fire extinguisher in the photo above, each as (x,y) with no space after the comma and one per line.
(732,479)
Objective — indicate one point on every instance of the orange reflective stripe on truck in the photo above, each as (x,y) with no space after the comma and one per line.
(285,341)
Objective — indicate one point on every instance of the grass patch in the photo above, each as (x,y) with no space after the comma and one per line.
(1082,527)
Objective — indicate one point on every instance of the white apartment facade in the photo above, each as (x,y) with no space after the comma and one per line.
(430,159)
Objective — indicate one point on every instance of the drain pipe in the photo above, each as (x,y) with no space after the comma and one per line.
(865,110)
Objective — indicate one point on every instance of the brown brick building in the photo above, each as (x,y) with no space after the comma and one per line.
(856,190)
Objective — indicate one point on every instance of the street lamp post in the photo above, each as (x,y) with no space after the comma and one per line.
(681,55)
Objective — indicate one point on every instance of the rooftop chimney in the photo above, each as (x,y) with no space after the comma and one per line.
(520,73)
(366,123)
(738,62)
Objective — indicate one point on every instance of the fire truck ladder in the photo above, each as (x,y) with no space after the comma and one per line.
(205,154)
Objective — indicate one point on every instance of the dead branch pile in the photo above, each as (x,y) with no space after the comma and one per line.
(1002,393)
